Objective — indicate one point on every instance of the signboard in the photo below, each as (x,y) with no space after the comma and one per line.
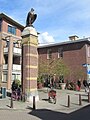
(85,65)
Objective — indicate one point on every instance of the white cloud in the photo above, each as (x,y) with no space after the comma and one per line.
(60,18)
(45,38)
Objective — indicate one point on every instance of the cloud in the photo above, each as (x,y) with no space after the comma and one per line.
(45,38)
(60,18)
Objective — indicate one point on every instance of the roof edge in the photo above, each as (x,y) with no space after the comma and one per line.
(3,15)
(64,43)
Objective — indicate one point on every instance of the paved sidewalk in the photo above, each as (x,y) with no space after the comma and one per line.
(60,106)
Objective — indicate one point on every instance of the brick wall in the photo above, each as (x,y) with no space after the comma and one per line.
(5,24)
(74,55)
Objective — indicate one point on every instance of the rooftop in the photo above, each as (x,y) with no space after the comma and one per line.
(64,43)
(2,15)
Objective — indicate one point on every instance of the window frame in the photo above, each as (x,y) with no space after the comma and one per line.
(49,54)
(60,52)
(12,29)
(88,51)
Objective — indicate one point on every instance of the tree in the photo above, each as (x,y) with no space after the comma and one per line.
(53,66)
(42,68)
(59,68)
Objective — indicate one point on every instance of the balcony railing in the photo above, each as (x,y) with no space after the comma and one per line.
(6,50)
(14,67)
(15,50)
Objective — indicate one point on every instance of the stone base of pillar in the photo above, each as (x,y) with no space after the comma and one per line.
(30,95)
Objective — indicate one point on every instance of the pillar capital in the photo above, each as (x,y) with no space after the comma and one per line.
(29,36)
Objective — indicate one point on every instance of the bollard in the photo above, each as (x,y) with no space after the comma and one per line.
(89,97)
(80,101)
(68,101)
(11,102)
(23,98)
(34,107)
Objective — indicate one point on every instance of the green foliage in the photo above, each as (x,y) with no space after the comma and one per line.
(43,69)
(18,82)
(40,79)
(59,68)
(53,66)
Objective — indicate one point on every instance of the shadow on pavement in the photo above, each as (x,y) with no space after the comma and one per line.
(45,99)
(45,114)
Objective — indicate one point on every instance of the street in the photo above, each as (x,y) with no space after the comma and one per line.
(48,111)
(45,114)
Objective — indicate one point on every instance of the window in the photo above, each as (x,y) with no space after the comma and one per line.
(88,51)
(60,52)
(16,76)
(13,77)
(15,44)
(7,44)
(49,54)
(12,29)
(4,78)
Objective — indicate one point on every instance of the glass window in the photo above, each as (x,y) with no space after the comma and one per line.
(13,77)
(12,29)
(49,54)
(60,52)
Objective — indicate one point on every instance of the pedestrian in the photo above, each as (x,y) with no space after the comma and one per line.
(14,86)
(79,84)
(86,85)
(51,82)
(19,92)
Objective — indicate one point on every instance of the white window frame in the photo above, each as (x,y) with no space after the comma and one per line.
(88,51)
(49,54)
(60,52)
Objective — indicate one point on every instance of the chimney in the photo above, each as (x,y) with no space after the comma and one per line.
(74,37)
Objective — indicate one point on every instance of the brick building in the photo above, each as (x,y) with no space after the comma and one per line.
(75,53)
(10,50)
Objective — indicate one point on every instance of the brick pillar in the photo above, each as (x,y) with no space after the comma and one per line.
(10,59)
(29,63)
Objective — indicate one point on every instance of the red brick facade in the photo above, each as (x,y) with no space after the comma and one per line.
(5,27)
(74,56)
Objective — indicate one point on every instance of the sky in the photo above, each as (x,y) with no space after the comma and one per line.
(56,20)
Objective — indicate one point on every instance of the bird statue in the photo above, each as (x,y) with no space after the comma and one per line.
(31,17)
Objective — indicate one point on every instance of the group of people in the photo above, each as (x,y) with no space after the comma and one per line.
(16,90)
(78,84)
(85,83)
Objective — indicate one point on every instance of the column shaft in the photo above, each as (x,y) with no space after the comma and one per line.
(29,63)
(10,59)
(1,58)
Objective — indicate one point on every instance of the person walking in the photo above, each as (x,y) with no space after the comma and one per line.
(79,84)
(86,85)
